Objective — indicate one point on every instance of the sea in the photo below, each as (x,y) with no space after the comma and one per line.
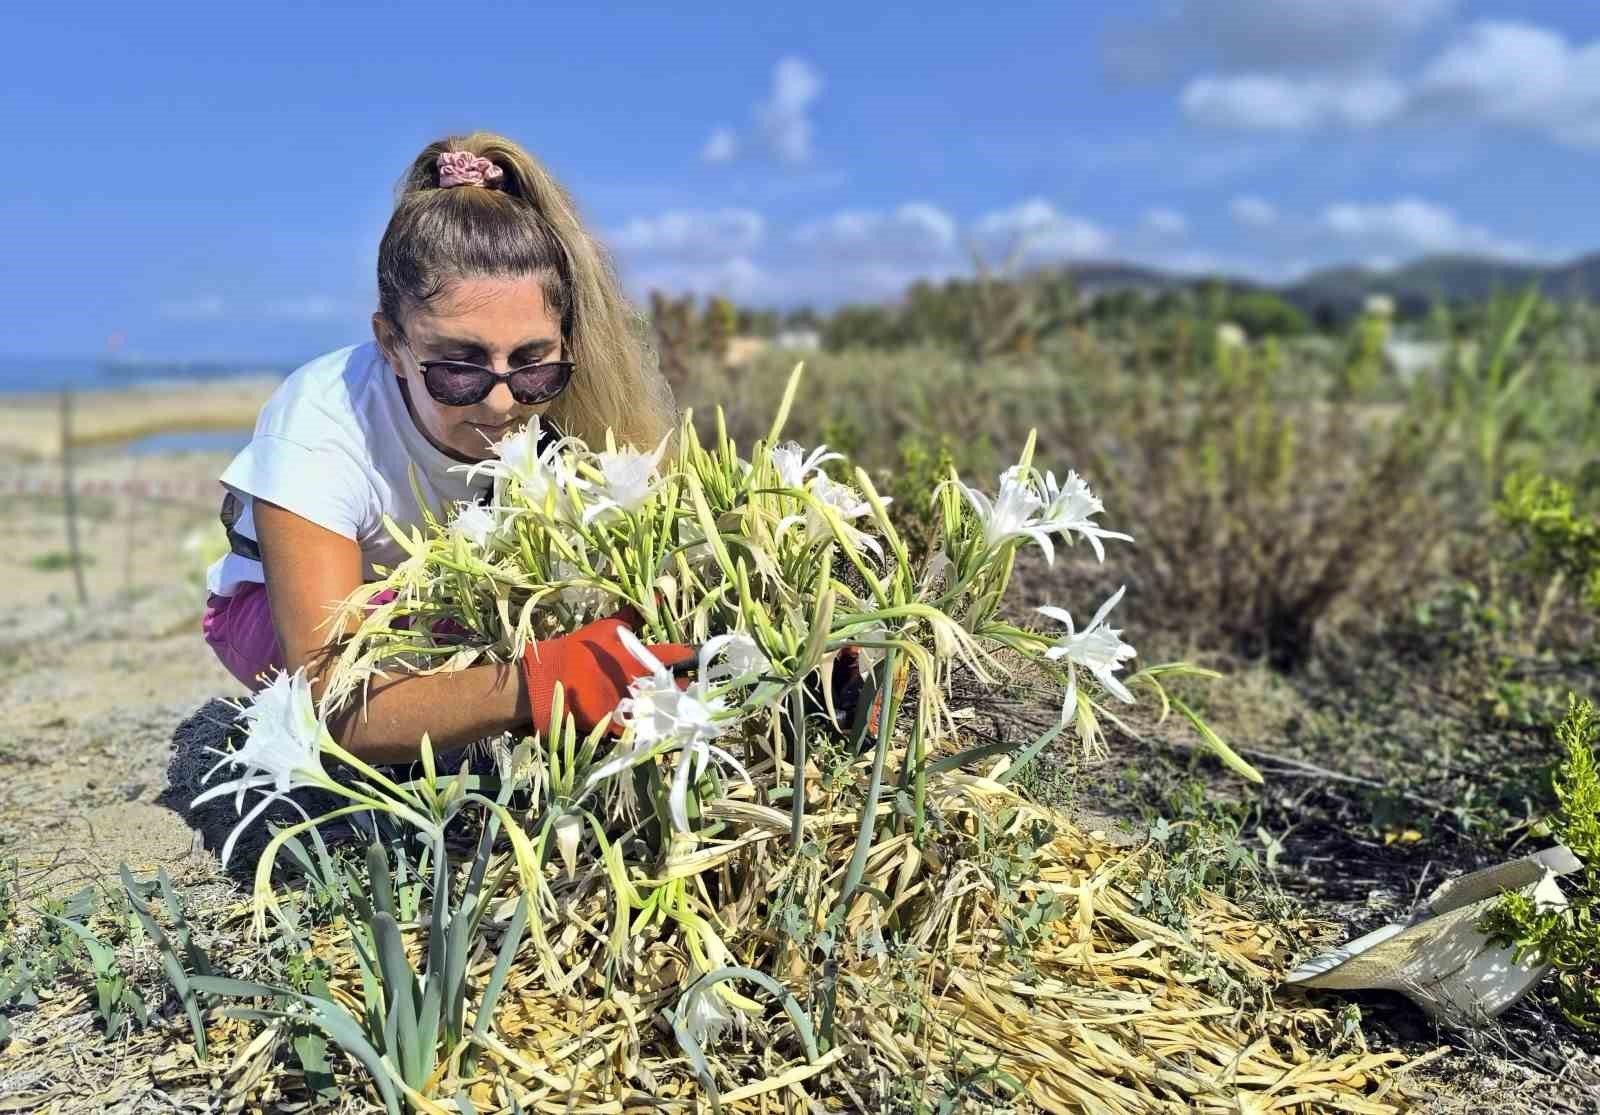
(26,375)
(31,375)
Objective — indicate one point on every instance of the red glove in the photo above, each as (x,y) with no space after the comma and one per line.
(594,670)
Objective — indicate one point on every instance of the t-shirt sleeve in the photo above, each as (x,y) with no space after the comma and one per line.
(320,483)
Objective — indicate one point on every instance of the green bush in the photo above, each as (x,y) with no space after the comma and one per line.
(1569,939)
(1559,540)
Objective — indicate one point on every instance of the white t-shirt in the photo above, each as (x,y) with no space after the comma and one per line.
(335,444)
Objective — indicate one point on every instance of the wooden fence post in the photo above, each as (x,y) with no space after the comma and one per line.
(69,496)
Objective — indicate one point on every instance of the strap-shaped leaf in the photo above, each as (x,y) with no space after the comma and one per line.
(170,962)
(399,983)
(502,968)
(380,881)
(343,1030)
(226,987)
(869,808)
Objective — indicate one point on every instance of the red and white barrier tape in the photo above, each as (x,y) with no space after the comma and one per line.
(170,490)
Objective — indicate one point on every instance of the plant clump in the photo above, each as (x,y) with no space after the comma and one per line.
(750,883)
(1568,938)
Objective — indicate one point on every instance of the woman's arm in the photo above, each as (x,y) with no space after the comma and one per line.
(310,570)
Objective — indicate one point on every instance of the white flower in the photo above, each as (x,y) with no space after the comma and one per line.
(541,476)
(475,522)
(585,598)
(705,1014)
(1097,648)
(627,479)
(867,658)
(696,550)
(845,503)
(1069,507)
(661,713)
(794,466)
(741,657)
(282,750)
(1011,514)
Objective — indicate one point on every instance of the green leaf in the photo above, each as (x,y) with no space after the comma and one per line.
(344,1030)
(502,968)
(399,984)
(311,1050)
(1228,756)
(225,987)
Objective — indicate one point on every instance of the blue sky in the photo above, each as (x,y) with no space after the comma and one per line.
(212,180)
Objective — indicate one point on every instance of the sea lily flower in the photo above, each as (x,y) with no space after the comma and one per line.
(705,1014)
(581,595)
(867,658)
(741,657)
(1012,513)
(627,479)
(845,503)
(541,475)
(476,523)
(696,550)
(1070,506)
(1097,648)
(794,466)
(282,751)
(661,713)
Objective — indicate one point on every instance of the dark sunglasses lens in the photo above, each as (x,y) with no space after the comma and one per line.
(457,385)
(541,384)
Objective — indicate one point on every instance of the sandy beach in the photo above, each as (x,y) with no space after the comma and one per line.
(90,692)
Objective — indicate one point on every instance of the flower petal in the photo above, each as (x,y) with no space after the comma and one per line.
(1105,609)
(649,661)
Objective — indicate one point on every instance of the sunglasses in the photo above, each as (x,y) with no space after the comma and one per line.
(456,383)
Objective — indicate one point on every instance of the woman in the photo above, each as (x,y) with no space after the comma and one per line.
(494,305)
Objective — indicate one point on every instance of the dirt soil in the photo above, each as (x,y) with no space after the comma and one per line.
(90,695)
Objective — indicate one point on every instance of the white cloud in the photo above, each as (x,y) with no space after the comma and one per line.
(1269,35)
(692,235)
(1520,75)
(311,307)
(739,278)
(1496,72)
(1271,102)
(1253,212)
(1048,233)
(198,308)
(1164,222)
(783,117)
(914,231)
(1413,225)
(721,147)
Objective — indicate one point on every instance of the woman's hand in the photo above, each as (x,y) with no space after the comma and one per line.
(594,670)
(311,570)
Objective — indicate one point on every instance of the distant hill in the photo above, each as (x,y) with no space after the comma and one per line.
(1338,292)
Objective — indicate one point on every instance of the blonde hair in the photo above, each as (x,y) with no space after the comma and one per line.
(525,224)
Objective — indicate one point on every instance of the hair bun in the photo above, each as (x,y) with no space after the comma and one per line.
(463,168)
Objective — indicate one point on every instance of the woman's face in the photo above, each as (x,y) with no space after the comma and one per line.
(499,323)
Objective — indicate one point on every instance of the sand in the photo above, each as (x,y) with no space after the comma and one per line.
(90,694)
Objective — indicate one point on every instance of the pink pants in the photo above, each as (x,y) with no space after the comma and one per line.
(239,629)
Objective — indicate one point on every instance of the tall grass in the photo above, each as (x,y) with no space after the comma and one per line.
(1285,490)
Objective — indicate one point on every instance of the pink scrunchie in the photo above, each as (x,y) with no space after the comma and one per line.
(463,168)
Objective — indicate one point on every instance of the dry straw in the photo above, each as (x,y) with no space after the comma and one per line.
(1108,1012)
